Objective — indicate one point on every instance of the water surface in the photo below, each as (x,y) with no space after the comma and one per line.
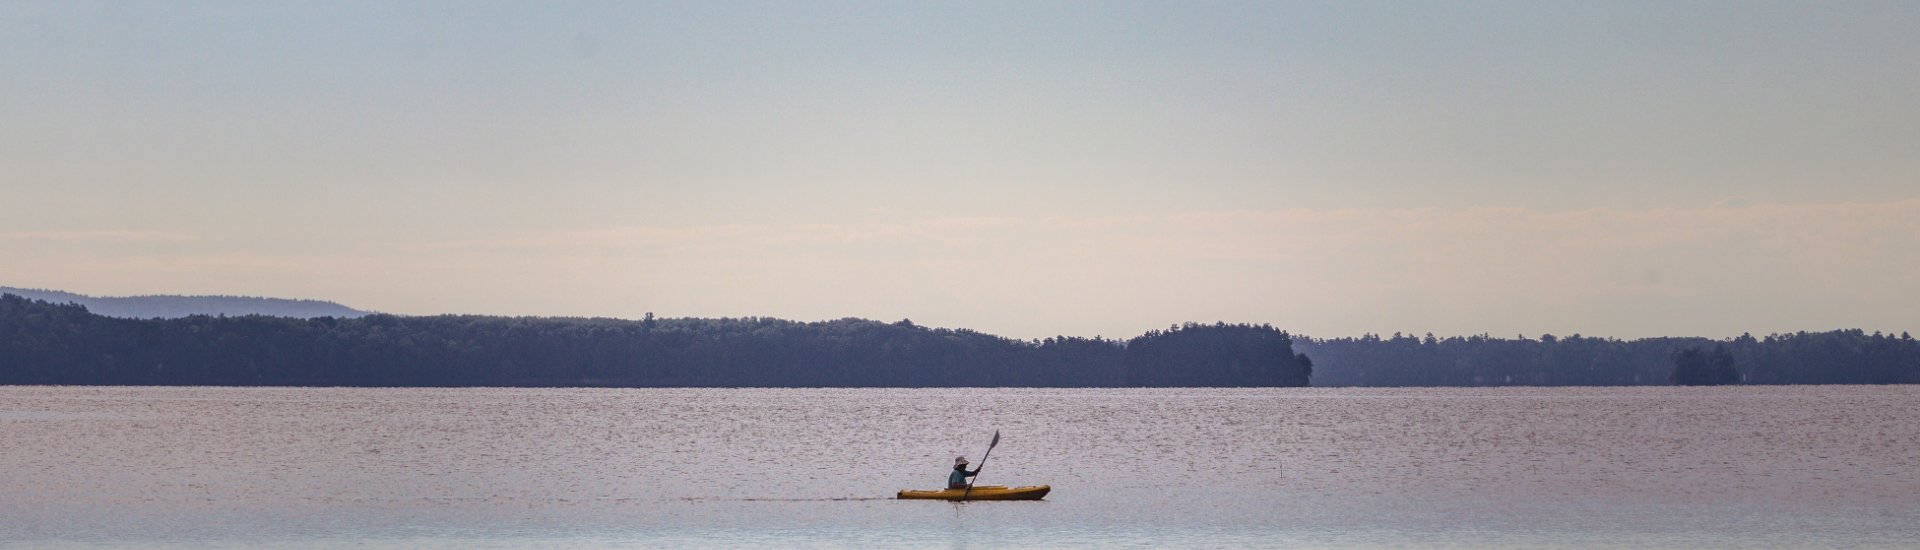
(459,468)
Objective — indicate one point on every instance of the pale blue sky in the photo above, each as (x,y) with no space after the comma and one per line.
(1023,168)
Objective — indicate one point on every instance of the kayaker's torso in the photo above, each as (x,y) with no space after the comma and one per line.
(958,478)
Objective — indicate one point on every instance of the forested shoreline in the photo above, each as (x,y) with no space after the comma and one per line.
(1835,357)
(47,343)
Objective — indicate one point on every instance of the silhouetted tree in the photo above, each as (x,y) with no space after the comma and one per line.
(1692,367)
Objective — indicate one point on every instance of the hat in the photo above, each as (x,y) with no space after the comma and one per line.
(959,461)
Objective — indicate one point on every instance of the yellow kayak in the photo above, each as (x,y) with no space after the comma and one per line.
(981,492)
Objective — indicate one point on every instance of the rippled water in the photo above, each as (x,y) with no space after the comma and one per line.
(461,468)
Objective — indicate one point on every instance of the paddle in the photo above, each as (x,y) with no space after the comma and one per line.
(983,465)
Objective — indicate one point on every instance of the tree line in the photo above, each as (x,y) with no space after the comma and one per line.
(1836,357)
(49,343)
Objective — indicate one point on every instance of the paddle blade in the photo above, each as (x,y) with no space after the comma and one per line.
(996,439)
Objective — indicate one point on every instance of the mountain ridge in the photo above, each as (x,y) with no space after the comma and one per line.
(174,306)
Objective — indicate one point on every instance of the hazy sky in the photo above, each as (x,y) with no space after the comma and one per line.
(1022,168)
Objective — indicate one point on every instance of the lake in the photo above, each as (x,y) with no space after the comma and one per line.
(1789,466)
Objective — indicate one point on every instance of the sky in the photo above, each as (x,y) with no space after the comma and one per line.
(1029,169)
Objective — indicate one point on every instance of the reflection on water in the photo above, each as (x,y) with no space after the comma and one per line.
(462,468)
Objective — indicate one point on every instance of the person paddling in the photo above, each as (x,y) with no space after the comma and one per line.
(958,479)
(958,489)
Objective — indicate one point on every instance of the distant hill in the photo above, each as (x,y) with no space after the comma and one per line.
(173,307)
